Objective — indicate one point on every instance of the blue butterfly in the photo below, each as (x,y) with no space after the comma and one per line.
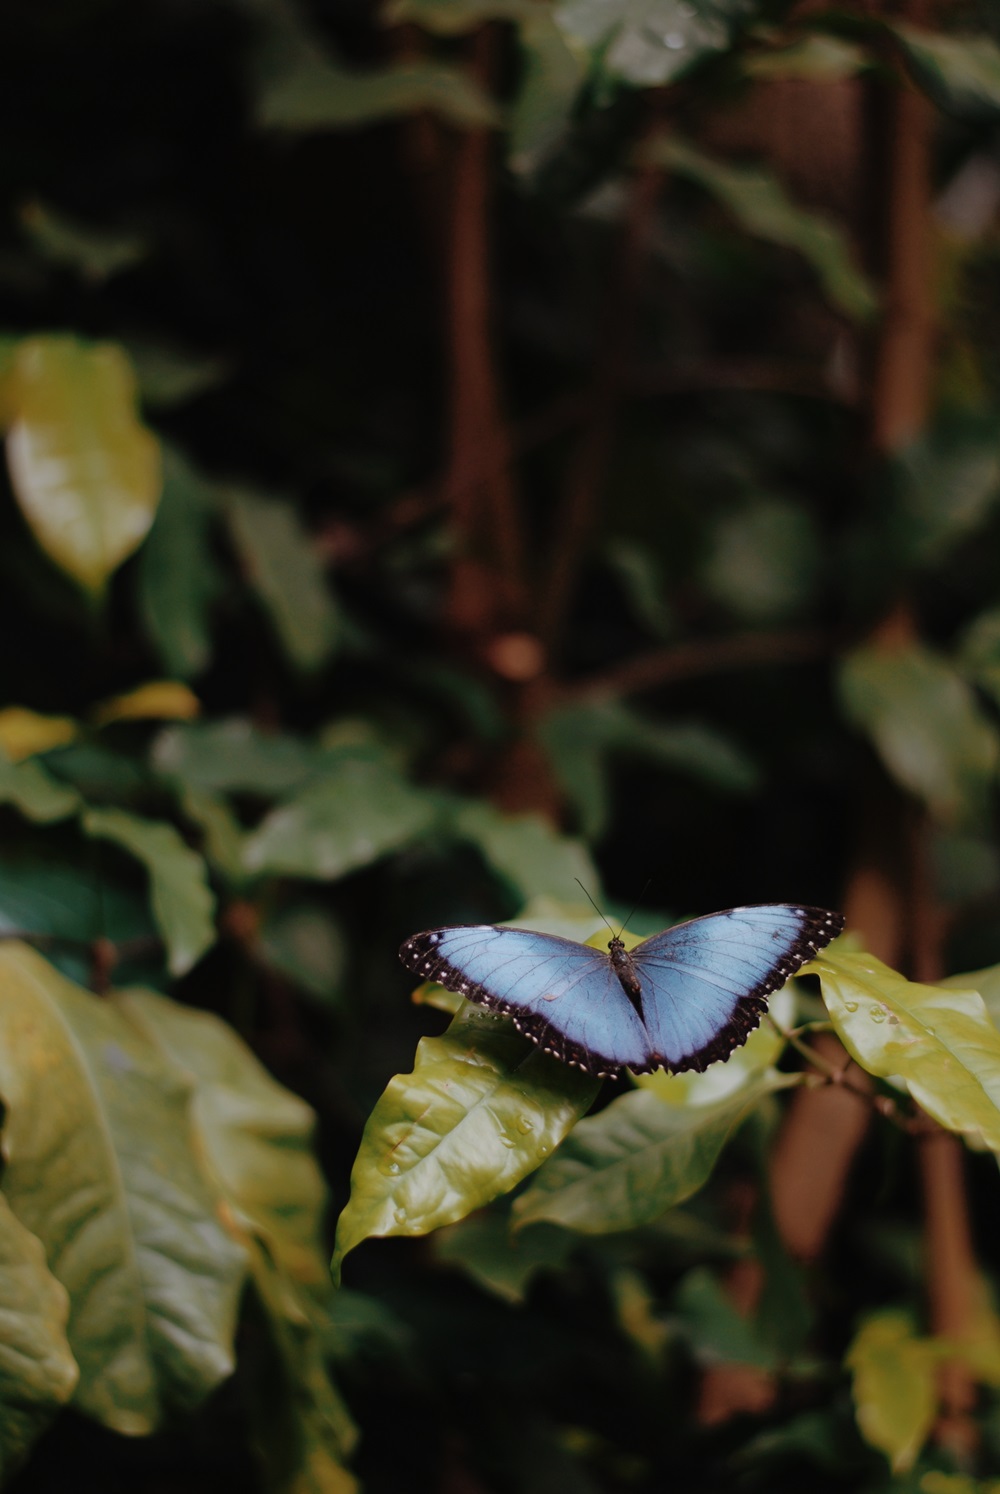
(679,1000)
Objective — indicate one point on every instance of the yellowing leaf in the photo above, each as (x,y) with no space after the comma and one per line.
(159,700)
(24,732)
(84,470)
(895,1398)
(939,1041)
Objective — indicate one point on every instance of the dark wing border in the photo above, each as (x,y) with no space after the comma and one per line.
(419,955)
(819,928)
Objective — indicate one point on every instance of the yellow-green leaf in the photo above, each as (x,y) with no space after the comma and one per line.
(480,1111)
(38,1373)
(24,732)
(895,1398)
(939,1041)
(158,700)
(101,1166)
(85,471)
(34,792)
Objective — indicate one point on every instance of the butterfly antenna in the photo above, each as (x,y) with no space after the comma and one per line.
(593,904)
(642,894)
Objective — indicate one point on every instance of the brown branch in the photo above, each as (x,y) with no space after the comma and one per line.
(488,573)
(575,518)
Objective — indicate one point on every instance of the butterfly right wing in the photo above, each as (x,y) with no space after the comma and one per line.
(563,996)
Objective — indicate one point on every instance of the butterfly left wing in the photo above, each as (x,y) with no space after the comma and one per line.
(563,996)
(705,983)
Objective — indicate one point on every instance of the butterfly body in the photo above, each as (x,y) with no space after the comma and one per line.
(679,1000)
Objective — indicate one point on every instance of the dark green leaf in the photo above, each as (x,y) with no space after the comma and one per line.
(554,72)
(719,1333)
(234,755)
(317,94)
(307,944)
(961,73)
(526,851)
(504,1263)
(764,560)
(178,576)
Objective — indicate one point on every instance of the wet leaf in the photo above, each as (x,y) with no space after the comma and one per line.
(101,1167)
(759,204)
(939,1041)
(24,733)
(284,568)
(926,725)
(360,809)
(183,902)
(895,1396)
(636,1159)
(38,1373)
(85,472)
(480,1111)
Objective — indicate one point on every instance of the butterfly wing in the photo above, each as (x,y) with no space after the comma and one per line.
(705,983)
(563,996)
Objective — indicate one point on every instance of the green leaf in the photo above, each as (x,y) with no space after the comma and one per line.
(926,725)
(235,756)
(455,17)
(650,42)
(939,1041)
(183,902)
(307,944)
(764,560)
(816,58)
(636,1159)
(95,254)
(285,569)
(525,850)
(895,1396)
(255,1135)
(554,72)
(758,202)
(480,1111)
(255,1138)
(31,789)
(316,94)
(719,1333)
(223,835)
(178,577)
(66,900)
(580,739)
(170,376)
(360,809)
(961,73)
(85,472)
(947,485)
(761,1051)
(101,1167)
(38,1373)
(503,1263)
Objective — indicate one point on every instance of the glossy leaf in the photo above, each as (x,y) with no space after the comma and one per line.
(650,42)
(481,1109)
(925,724)
(38,1373)
(159,700)
(235,756)
(178,575)
(895,1396)
(939,1041)
(183,903)
(358,811)
(636,1159)
(31,789)
(284,568)
(101,1167)
(24,733)
(85,472)
(961,73)
(759,204)
(526,851)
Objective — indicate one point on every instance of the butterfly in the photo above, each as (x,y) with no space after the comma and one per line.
(679,1000)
